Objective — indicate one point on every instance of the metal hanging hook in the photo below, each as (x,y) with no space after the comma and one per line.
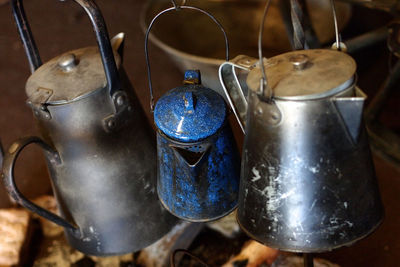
(264,87)
(146,39)
(176,6)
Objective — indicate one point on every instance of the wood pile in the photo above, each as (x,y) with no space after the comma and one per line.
(14,225)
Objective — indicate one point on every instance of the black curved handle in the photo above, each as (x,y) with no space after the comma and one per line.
(8,177)
(99,27)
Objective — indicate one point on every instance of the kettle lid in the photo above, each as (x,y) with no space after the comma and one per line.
(306,74)
(190,112)
(68,77)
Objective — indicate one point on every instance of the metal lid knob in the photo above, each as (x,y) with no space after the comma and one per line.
(67,62)
(306,74)
(299,61)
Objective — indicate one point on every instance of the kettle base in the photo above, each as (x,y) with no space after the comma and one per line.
(309,249)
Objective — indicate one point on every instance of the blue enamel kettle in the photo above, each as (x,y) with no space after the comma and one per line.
(198,164)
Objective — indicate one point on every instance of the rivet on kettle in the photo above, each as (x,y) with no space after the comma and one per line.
(299,61)
(111,123)
(274,117)
(67,62)
(259,110)
(120,100)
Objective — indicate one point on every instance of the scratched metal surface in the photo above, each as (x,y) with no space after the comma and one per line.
(307,183)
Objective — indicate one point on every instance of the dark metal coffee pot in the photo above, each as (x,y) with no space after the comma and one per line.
(198,161)
(307,182)
(99,147)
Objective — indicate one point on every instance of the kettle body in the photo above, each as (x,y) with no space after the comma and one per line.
(99,149)
(307,181)
(198,161)
(105,182)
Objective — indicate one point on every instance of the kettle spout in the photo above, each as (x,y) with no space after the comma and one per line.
(189,158)
(232,88)
(351,111)
(118,43)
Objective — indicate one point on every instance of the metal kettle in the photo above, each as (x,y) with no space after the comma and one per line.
(99,147)
(198,161)
(307,182)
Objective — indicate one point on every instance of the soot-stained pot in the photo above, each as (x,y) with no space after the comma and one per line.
(99,147)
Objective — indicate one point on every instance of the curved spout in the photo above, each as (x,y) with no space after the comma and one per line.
(232,88)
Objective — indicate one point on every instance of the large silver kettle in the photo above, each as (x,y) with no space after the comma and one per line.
(307,182)
(99,147)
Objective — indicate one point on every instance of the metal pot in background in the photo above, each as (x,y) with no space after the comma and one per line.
(392,6)
(240,19)
(99,147)
(307,181)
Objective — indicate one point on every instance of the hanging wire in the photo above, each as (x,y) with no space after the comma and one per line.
(297,16)
(264,81)
(338,43)
(184,251)
(176,8)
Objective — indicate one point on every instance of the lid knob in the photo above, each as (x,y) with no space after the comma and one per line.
(67,62)
(299,61)
(192,77)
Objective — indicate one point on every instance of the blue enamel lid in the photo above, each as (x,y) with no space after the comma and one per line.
(191,112)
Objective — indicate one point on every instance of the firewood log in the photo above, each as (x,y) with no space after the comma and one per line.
(253,254)
(49,228)
(13,231)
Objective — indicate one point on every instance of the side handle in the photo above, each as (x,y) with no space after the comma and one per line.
(8,177)
(232,88)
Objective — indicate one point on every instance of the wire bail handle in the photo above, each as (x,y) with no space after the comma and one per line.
(264,87)
(176,8)
(337,45)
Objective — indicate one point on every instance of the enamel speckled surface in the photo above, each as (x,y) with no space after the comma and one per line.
(190,113)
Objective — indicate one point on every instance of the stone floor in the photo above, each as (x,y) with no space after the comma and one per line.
(62,26)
